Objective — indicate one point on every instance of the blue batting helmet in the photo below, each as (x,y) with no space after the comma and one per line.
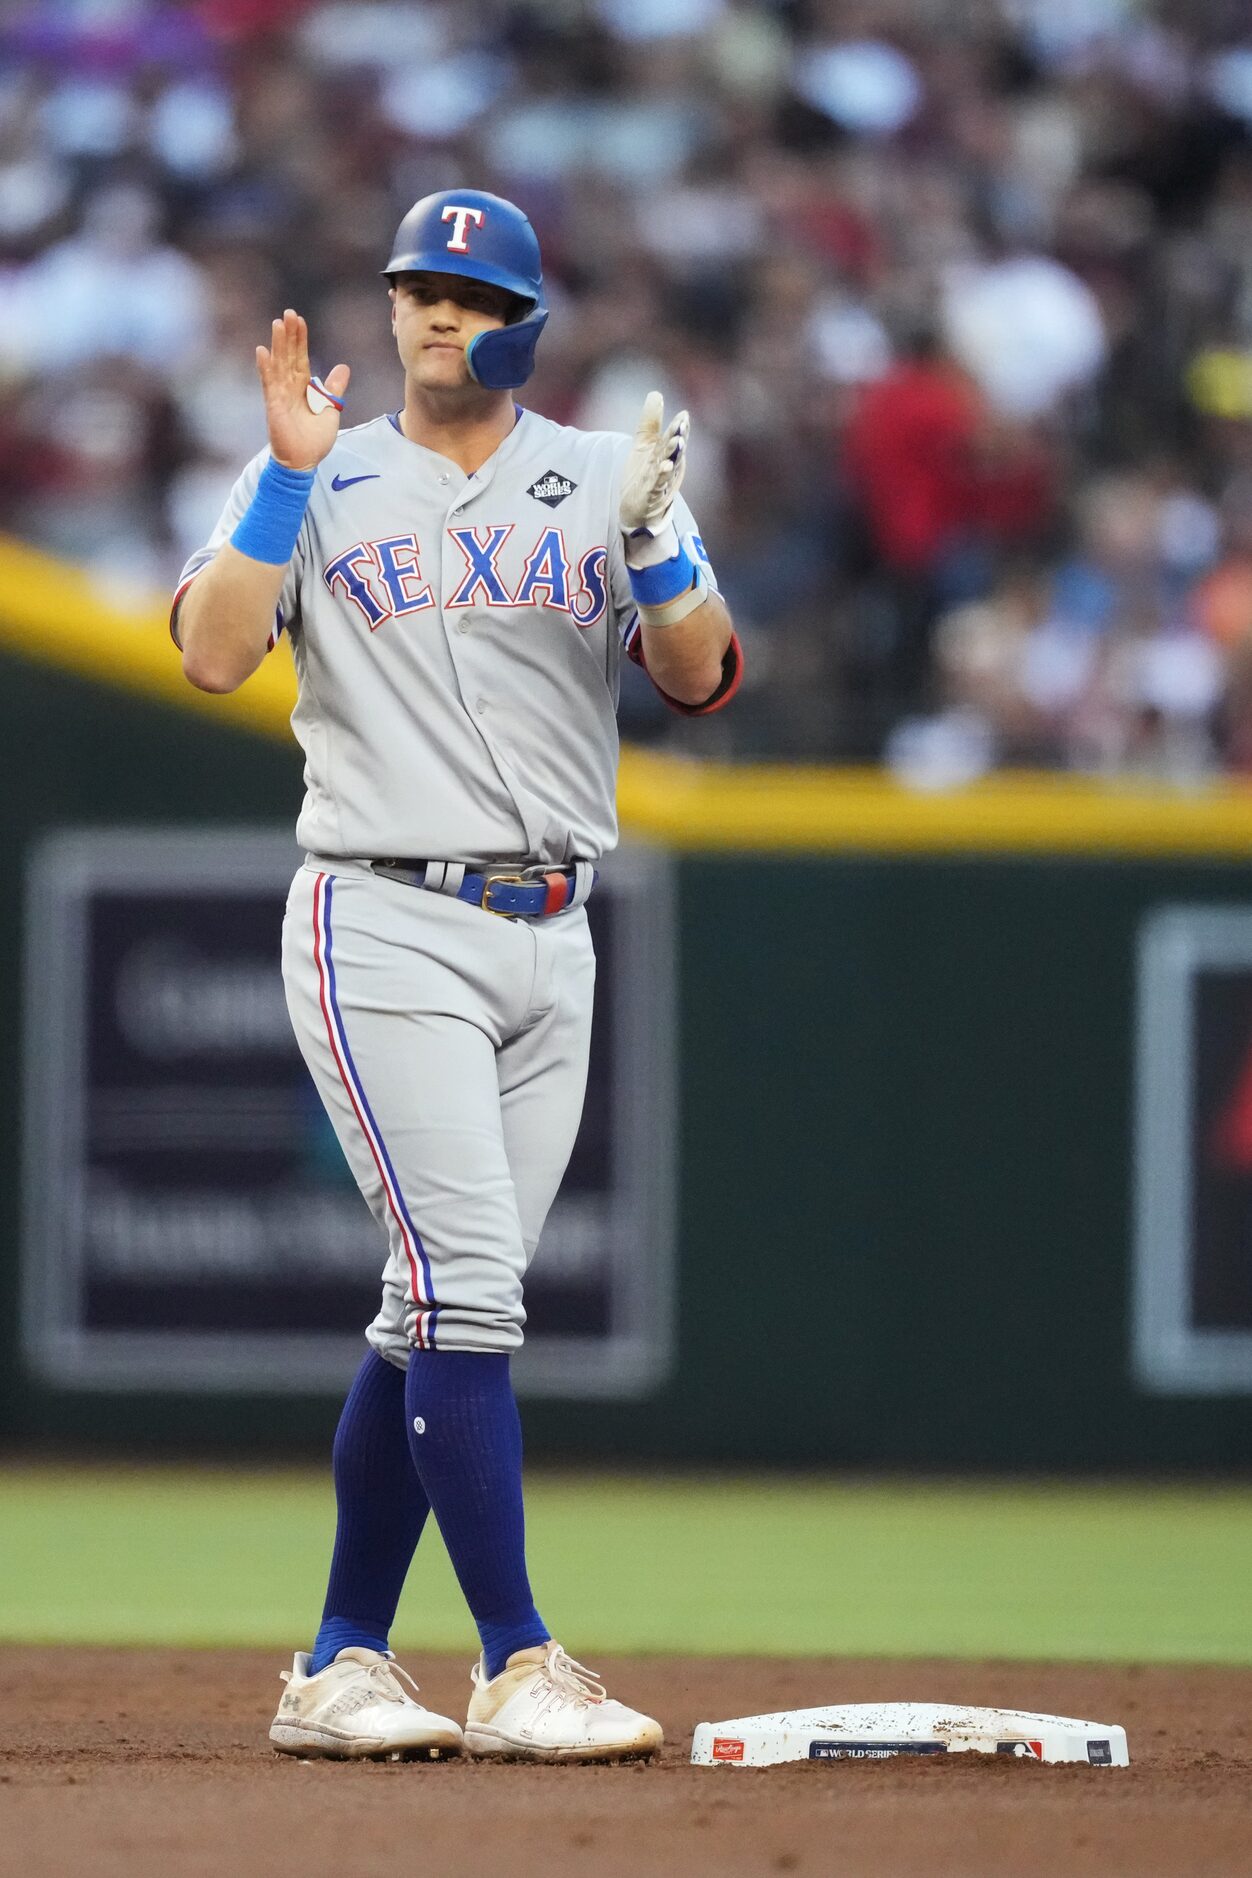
(467,231)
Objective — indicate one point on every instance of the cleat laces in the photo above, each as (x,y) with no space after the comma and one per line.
(382,1678)
(571,1678)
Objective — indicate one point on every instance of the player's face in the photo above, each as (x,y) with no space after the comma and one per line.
(434,317)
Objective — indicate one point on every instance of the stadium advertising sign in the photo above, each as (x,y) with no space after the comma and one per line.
(189,1220)
(1193,1152)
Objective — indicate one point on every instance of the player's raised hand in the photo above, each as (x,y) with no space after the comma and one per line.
(302,413)
(654,469)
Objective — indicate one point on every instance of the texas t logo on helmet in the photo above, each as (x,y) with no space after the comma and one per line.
(506,254)
(457,243)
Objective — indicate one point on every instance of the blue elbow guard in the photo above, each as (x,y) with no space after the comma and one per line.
(270,526)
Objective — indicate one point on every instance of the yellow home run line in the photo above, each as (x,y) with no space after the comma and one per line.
(53,613)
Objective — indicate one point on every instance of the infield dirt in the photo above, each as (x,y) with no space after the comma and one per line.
(126,1763)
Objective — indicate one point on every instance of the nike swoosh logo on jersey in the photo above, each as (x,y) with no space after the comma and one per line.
(346,482)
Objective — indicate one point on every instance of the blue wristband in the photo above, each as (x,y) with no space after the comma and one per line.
(269,527)
(668,580)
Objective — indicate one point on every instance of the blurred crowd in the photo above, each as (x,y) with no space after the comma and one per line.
(959,293)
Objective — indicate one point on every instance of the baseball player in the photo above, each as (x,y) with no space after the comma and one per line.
(458,580)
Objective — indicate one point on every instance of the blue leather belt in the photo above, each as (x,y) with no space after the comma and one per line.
(532,893)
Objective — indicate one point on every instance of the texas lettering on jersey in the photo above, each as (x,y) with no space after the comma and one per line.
(382,579)
(458,641)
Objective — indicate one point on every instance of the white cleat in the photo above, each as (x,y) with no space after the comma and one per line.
(357,1709)
(549,1708)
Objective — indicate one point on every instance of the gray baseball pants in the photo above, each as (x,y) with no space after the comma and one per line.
(449,1047)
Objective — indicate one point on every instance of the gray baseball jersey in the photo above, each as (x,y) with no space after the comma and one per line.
(457,642)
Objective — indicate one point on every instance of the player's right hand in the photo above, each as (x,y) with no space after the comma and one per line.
(299,437)
(654,469)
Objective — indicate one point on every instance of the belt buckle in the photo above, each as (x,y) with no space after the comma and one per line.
(503,880)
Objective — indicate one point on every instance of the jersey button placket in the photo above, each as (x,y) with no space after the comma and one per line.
(474,486)
(458,508)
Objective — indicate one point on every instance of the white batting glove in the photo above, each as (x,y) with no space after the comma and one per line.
(651,480)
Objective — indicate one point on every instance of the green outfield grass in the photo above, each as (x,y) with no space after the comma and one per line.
(179,1556)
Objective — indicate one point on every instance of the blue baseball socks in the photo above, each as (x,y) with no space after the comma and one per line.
(382,1509)
(465,1437)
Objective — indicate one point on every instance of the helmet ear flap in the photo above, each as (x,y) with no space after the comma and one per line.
(504,358)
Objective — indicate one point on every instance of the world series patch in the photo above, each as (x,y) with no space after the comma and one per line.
(871,1750)
(552,488)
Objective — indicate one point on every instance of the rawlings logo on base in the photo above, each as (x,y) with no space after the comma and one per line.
(724,1750)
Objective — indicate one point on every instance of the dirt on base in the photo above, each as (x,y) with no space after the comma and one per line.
(124,1763)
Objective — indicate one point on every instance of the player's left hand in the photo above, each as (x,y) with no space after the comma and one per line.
(654,469)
